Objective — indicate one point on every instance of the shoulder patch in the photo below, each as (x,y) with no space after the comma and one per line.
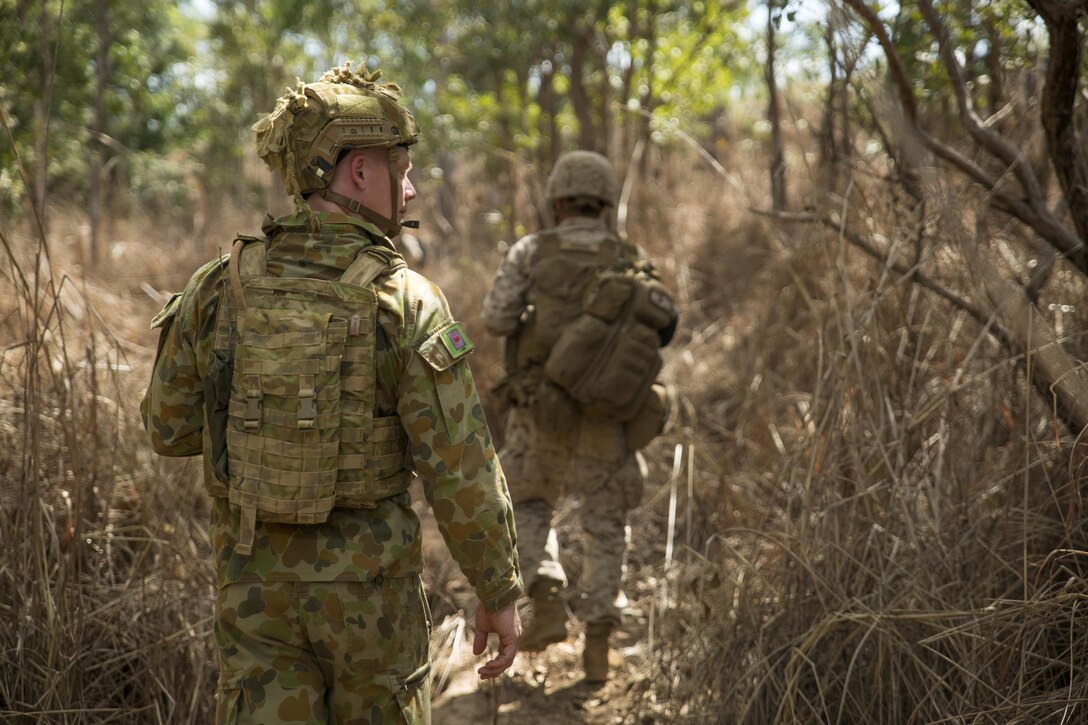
(446,345)
(167,312)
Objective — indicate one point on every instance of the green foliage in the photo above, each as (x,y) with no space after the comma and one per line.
(527,77)
(55,49)
(975,29)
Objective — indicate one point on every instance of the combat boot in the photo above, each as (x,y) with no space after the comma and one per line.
(548,623)
(595,654)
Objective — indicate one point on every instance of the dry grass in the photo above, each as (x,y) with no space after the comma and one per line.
(888,525)
(104,591)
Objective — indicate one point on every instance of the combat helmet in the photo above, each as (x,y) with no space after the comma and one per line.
(314,123)
(583,174)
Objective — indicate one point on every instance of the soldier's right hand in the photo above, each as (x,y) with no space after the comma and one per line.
(507,625)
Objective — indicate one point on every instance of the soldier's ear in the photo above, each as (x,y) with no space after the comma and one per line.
(354,173)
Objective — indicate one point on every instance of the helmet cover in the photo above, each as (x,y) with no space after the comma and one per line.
(302,139)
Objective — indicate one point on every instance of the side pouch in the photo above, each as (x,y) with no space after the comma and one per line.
(573,356)
(552,409)
(216,409)
(619,383)
(608,296)
(650,419)
(653,305)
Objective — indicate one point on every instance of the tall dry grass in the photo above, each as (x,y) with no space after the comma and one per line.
(104,589)
(884,522)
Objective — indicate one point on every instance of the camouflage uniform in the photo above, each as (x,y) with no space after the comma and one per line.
(583,457)
(328,622)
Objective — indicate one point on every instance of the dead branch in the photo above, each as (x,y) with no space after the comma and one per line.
(1014,322)
(1031,211)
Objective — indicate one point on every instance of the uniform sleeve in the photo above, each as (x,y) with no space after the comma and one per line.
(173,406)
(508,296)
(452,452)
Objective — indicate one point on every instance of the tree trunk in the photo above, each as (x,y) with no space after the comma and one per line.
(1057,111)
(605,141)
(583,109)
(778,163)
(995,69)
(550,145)
(648,101)
(103,73)
(628,141)
(828,147)
(42,115)
(1055,375)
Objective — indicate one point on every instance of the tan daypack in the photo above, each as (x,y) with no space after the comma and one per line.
(597,312)
(609,356)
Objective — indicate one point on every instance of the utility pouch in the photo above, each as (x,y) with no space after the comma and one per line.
(217,384)
(650,419)
(552,409)
(652,304)
(606,299)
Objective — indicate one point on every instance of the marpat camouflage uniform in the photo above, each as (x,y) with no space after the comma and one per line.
(328,622)
(588,458)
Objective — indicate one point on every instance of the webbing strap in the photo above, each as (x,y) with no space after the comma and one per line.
(387,225)
(369,264)
(247,531)
(237,292)
(300,480)
(248,258)
(240,442)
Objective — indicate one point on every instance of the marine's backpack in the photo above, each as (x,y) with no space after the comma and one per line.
(300,433)
(598,311)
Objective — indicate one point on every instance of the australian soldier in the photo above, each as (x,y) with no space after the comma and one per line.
(317,374)
(584,315)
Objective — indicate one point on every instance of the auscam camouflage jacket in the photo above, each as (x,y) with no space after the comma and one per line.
(449,441)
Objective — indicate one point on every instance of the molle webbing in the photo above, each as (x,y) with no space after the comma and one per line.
(561,273)
(302,437)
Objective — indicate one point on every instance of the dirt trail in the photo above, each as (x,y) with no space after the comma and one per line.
(540,688)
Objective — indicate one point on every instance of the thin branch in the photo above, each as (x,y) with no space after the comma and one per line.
(1054,375)
(1036,216)
(984,136)
(907,270)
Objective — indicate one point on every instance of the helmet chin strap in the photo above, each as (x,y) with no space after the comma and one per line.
(389,226)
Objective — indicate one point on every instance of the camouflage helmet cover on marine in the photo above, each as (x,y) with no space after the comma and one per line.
(303,137)
(583,173)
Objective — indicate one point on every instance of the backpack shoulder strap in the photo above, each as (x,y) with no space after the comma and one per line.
(548,243)
(371,263)
(247,259)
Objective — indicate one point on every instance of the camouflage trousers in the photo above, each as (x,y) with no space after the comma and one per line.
(588,460)
(323,652)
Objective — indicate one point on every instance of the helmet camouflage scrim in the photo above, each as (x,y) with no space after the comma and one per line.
(304,137)
(583,174)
